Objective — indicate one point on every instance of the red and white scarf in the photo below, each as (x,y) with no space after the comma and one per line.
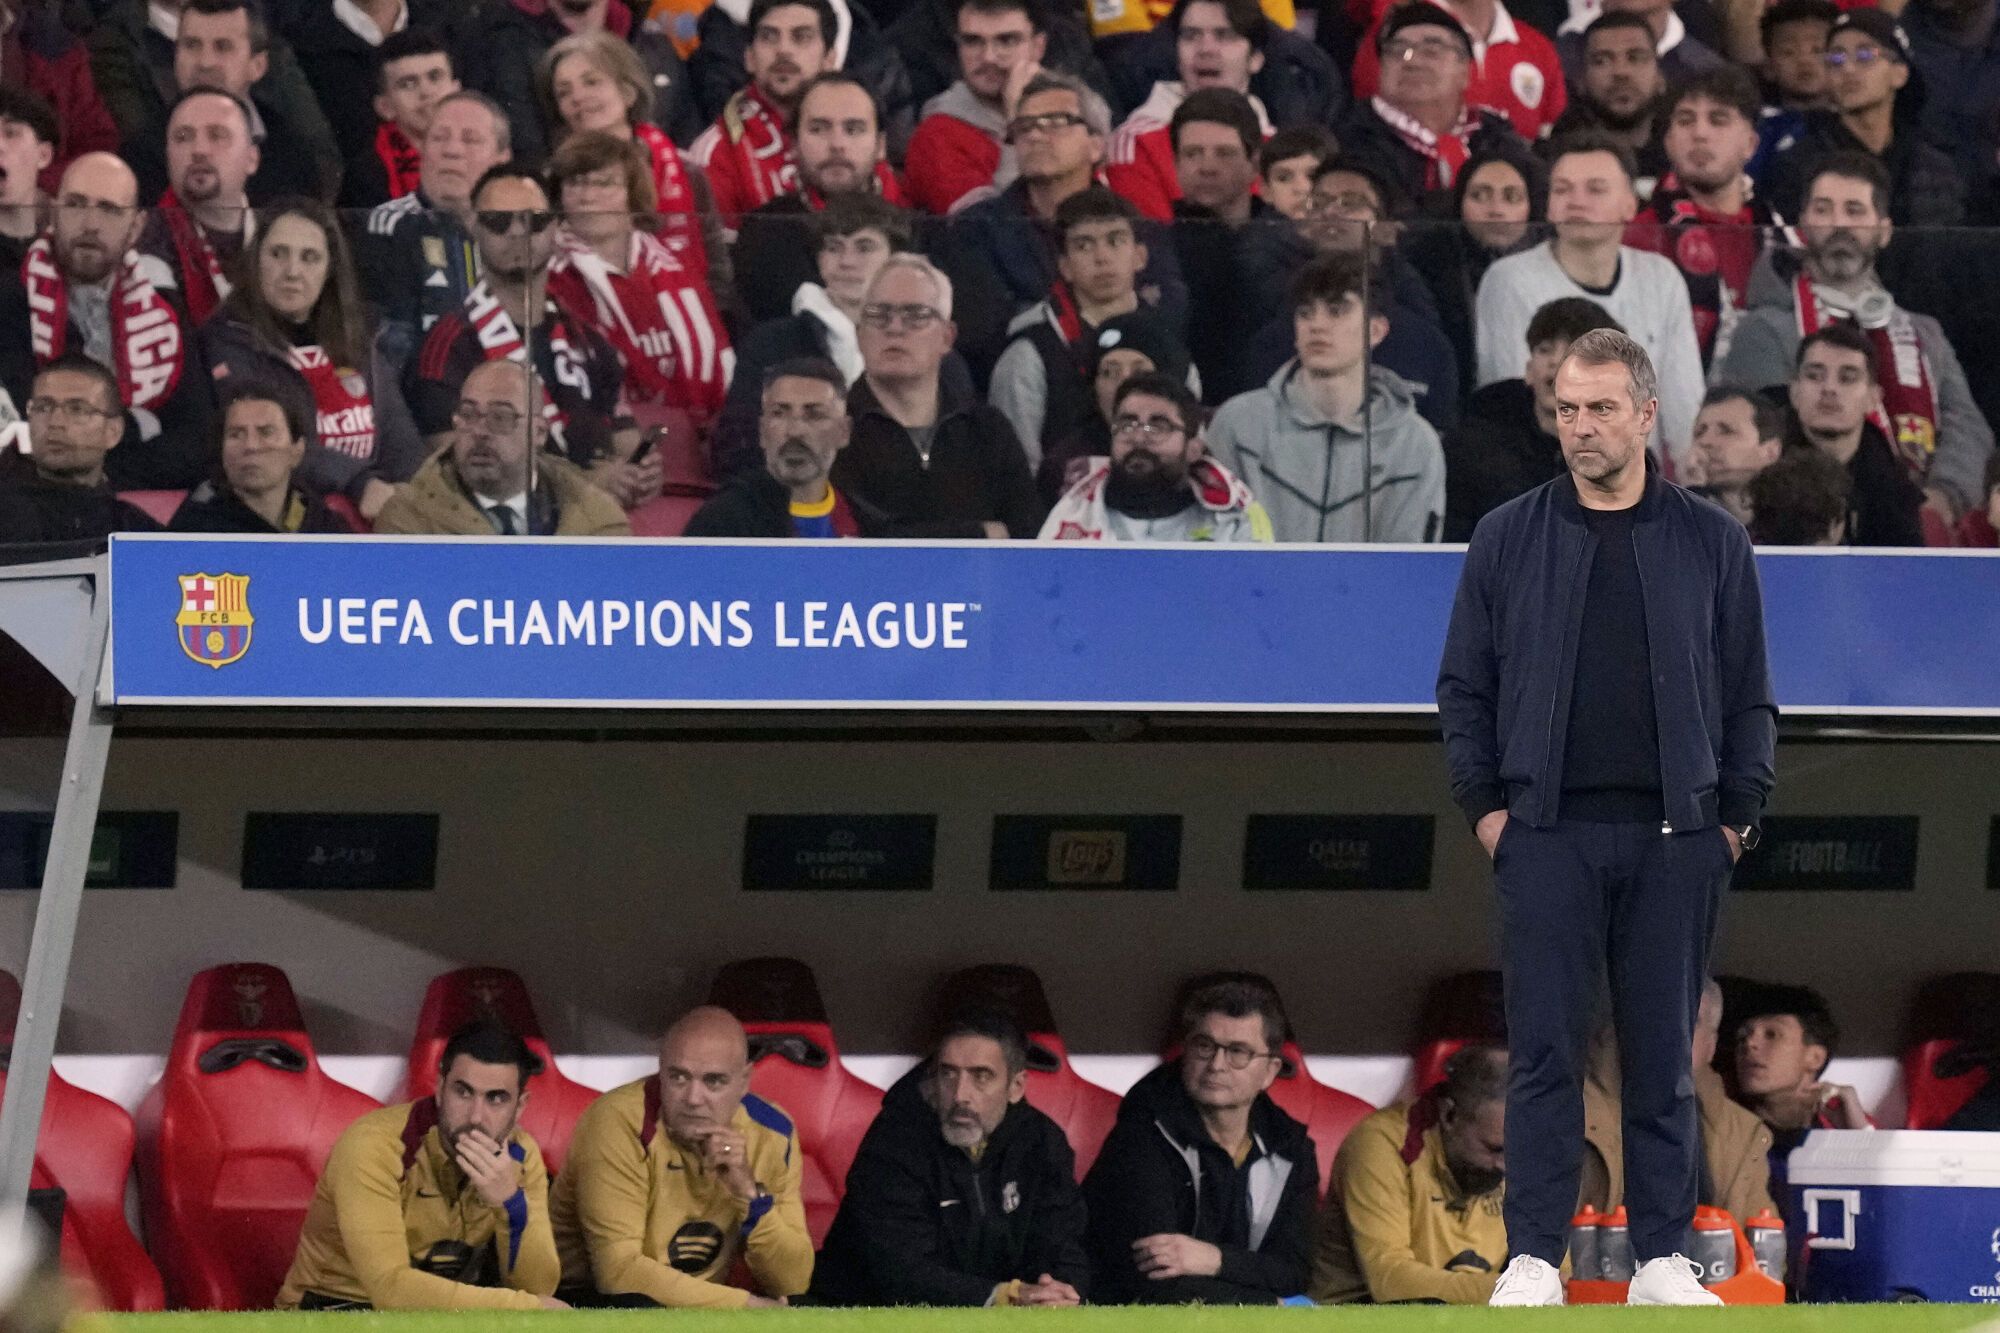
(886,184)
(1444,154)
(203,285)
(660,316)
(402,161)
(755,132)
(147,344)
(1080,516)
(1909,411)
(680,225)
(500,340)
(345,414)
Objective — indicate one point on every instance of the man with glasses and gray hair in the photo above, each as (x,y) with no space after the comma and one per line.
(1609,728)
(933,461)
(1205,1190)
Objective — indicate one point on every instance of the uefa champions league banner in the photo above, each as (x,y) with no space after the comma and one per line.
(620,623)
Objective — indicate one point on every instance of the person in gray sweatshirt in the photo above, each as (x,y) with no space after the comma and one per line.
(1332,444)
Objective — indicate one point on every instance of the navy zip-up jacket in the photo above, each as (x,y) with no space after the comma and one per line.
(1509,661)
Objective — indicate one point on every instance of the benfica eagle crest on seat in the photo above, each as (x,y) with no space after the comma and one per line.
(215,617)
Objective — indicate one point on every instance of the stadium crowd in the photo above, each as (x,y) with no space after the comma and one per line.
(1210,270)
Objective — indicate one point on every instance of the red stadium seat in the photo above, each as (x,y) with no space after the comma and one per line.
(158,505)
(234,1137)
(666,516)
(1953,1016)
(797,1067)
(344,507)
(1326,1112)
(455,999)
(1460,1009)
(84,1148)
(1084,1110)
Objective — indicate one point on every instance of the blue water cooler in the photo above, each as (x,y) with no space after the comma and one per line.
(1891,1215)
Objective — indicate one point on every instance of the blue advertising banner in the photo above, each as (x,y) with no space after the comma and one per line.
(621,623)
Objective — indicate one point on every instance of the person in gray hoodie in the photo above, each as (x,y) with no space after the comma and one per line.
(1333,444)
(1935,425)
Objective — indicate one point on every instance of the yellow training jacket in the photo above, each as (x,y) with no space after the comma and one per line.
(634,1214)
(1396,1226)
(392,1201)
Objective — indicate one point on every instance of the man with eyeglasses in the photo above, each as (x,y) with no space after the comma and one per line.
(577,368)
(1158,485)
(674,1178)
(496,478)
(802,425)
(1515,69)
(1868,70)
(748,152)
(1421,125)
(962,151)
(84,288)
(934,463)
(57,492)
(1218,44)
(1205,1190)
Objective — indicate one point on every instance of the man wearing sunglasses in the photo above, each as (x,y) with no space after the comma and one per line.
(509,316)
(1205,1190)
(1868,71)
(57,492)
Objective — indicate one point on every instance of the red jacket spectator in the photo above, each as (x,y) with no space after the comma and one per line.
(1139,163)
(38,52)
(956,155)
(1516,72)
(751,157)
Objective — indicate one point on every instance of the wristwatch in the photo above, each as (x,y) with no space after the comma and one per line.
(1749,835)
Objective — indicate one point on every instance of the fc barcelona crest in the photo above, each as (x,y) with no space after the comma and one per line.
(215,617)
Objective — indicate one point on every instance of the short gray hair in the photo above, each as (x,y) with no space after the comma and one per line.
(916,263)
(1096,114)
(1605,347)
(503,130)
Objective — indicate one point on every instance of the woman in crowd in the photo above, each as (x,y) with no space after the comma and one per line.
(1500,199)
(612,268)
(292,318)
(593,83)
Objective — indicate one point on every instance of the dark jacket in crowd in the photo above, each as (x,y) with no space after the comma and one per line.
(340,66)
(1925,188)
(923,1224)
(1451,263)
(1519,603)
(976,474)
(1214,260)
(1581,116)
(1961,67)
(1884,505)
(715,67)
(1159,1171)
(134,67)
(34,510)
(1298,85)
(925,36)
(499,49)
(1499,451)
(756,504)
(1365,135)
(213,507)
(41,54)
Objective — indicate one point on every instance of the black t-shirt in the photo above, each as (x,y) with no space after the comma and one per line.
(1611,757)
(573,362)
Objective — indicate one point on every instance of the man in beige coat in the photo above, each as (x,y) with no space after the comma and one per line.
(480,486)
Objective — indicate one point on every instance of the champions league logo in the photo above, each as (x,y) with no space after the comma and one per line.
(215,617)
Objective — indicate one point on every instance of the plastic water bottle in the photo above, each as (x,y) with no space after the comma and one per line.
(1614,1247)
(1584,1264)
(1766,1234)
(1712,1245)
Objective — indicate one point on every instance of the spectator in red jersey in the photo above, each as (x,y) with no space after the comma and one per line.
(1286,163)
(1422,125)
(613,270)
(29,133)
(1703,215)
(1515,69)
(802,426)
(1219,44)
(413,73)
(40,55)
(593,83)
(748,152)
(293,318)
(960,152)
(203,220)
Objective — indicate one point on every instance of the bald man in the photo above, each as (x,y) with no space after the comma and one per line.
(84,288)
(671,1179)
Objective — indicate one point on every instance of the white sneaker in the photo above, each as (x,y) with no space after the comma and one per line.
(1528,1281)
(1669,1281)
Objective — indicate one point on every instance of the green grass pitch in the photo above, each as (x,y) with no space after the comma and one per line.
(1414,1319)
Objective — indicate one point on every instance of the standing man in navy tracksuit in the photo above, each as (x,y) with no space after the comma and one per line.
(1609,727)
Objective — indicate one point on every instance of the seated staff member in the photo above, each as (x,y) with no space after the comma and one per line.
(438,1204)
(671,1179)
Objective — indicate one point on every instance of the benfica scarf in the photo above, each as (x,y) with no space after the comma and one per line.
(345,415)
(402,163)
(1444,154)
(680,226)
(1909,411)
(500,340)
(756,134)
(146,342)
(660,316)
(202,284)
(1080,515)
(886,185)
